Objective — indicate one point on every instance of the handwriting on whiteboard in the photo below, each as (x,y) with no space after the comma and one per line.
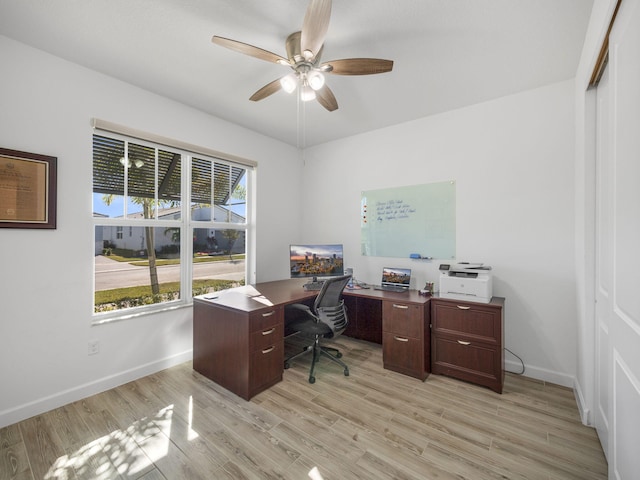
(393,210)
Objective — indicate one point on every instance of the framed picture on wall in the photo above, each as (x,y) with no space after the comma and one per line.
(27,190)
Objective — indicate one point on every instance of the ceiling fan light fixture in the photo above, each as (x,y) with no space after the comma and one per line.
(304,49)
(316,80)
(289,83)
(307,94)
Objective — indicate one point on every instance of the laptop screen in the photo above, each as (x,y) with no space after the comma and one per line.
(399,277)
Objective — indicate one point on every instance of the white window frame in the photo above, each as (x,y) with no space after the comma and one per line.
(187,225)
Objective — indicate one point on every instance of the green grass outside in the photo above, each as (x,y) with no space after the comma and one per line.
(119,298)
(174,261)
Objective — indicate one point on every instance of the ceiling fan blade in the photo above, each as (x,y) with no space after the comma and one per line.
(249,50)
(315,26)
(358,66)
(268,89)
(327,99)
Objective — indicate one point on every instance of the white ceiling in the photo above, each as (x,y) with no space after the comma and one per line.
(447,53)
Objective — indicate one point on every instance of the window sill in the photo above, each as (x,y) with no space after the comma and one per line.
(130,314)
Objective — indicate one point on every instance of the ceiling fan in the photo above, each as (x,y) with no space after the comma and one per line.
(304,49)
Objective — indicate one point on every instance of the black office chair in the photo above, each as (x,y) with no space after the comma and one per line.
(327,318)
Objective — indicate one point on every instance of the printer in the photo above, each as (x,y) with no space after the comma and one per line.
(466,281)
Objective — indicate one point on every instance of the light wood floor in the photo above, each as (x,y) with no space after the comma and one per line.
(374,424)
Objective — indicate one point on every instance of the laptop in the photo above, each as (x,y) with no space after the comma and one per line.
(395,279)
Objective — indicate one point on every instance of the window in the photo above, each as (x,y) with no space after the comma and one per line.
(186,216)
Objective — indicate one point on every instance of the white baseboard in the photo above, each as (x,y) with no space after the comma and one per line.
(543,374)
(36,407)
(585,413)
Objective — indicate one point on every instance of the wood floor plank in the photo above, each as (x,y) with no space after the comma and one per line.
(72,434)
(476,461)
(153,475)
(10,435)
(14,462)
(387,455)
(544,461)
(109,442)
(288,405)
(374,424)
(257,439)
(242,456)
(172,461)
(329,457)
(45,450)
(379,468)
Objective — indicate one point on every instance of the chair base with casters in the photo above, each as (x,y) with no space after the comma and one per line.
(318,351)
(327,318)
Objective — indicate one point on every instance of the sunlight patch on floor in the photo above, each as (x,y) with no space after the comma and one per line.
(119,452)
(314,474)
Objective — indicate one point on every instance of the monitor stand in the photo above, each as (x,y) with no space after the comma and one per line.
(314,284)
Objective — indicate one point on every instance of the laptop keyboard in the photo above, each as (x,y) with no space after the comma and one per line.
(390,288)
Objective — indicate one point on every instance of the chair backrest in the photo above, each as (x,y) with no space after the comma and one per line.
(329,306)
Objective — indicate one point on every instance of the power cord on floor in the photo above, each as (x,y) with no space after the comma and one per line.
(521,362)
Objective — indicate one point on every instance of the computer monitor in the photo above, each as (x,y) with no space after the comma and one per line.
(313,261)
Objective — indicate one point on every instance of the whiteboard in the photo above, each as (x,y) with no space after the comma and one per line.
(417,219)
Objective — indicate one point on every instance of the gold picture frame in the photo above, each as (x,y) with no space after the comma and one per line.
(27,190)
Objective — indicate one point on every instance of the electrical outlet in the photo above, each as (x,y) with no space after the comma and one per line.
(94,347)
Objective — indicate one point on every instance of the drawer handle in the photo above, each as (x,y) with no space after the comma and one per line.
(403,307)
(268,314)
(269,332)
(268,350)
(401,339)
(464,343)
(463,307)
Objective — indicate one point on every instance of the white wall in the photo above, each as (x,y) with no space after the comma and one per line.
(46,276)
(513,162)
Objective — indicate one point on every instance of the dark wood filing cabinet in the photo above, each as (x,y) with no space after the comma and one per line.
(468,341)
(405,337)
(239,351)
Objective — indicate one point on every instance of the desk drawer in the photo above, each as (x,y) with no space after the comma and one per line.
(266,367)
(403,319)
(476,362)
(403,354)
(266,319)
(479,322)
(271,335)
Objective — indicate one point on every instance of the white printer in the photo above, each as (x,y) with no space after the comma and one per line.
(466,281)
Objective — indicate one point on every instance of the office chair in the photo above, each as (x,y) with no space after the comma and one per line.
(327,318)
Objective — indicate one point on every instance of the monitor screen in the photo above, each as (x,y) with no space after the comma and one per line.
(400,277)
(316,260)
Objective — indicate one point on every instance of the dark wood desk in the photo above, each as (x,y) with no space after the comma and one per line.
(238,337)
(398,321)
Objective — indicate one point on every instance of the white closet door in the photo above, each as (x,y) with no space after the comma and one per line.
(624,296)
(603,260)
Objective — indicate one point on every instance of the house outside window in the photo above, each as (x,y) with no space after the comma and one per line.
(187,220)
